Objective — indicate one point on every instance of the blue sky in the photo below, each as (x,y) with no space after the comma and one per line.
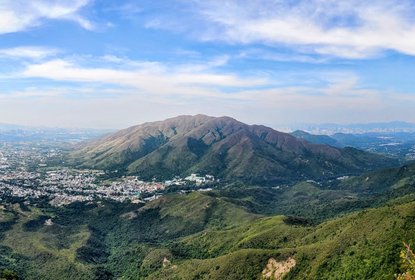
(111,64)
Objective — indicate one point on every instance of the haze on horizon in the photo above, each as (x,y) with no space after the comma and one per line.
(103,64)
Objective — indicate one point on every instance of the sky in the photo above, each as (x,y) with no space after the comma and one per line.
(112,64)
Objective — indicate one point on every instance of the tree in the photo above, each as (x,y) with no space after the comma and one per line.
(8,275)
(407,264)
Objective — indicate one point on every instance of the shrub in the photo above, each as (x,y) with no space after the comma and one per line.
(407,264)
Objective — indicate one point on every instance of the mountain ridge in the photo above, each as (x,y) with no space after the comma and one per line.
(221,146)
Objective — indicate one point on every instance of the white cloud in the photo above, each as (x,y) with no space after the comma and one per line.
(349,29)
(204,81)
(30,52)
(19,15)
(268,55)
(32,92)
(137,91)
(121,108)
(148,77)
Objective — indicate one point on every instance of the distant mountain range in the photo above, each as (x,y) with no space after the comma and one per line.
(378,127)
(19,133)
(223,147)
(396,144)
(8,127)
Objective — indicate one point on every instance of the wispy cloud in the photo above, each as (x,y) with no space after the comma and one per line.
(201,79)
(340,99)
(19,15)
(269,55)
(149,77)
(84,89)
(206,81)
(349,29)
(30,52)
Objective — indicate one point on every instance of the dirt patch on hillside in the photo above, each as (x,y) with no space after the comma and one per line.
(277,270)
(130,215)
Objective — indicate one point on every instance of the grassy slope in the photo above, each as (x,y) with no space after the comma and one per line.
(303,199)
(202,237)
(45,253)
(378,181)
(363,245)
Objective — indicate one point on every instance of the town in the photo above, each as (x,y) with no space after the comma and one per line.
(25,173)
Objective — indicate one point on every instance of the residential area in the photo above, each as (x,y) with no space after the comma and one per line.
(24,173)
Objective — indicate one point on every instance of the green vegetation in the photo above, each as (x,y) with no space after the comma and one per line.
(200,236)
(407,264)
(351,228)
(223,147)
(6,274)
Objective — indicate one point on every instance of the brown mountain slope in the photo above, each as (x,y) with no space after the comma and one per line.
(223,147)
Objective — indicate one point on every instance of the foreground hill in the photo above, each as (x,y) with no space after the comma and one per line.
(322,201)
(197,236)
(223,147)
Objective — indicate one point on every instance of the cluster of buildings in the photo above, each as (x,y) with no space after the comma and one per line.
(193,178)
(26,156)
(25,173)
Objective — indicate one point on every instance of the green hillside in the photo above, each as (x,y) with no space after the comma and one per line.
(199,236)
(224,147)
(396,179)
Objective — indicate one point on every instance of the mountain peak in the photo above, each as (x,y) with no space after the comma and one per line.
(221,146)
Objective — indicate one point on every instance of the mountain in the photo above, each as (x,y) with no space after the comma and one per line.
(315,139)
(327,199)
(399,180)
(223,147)
(400,145)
